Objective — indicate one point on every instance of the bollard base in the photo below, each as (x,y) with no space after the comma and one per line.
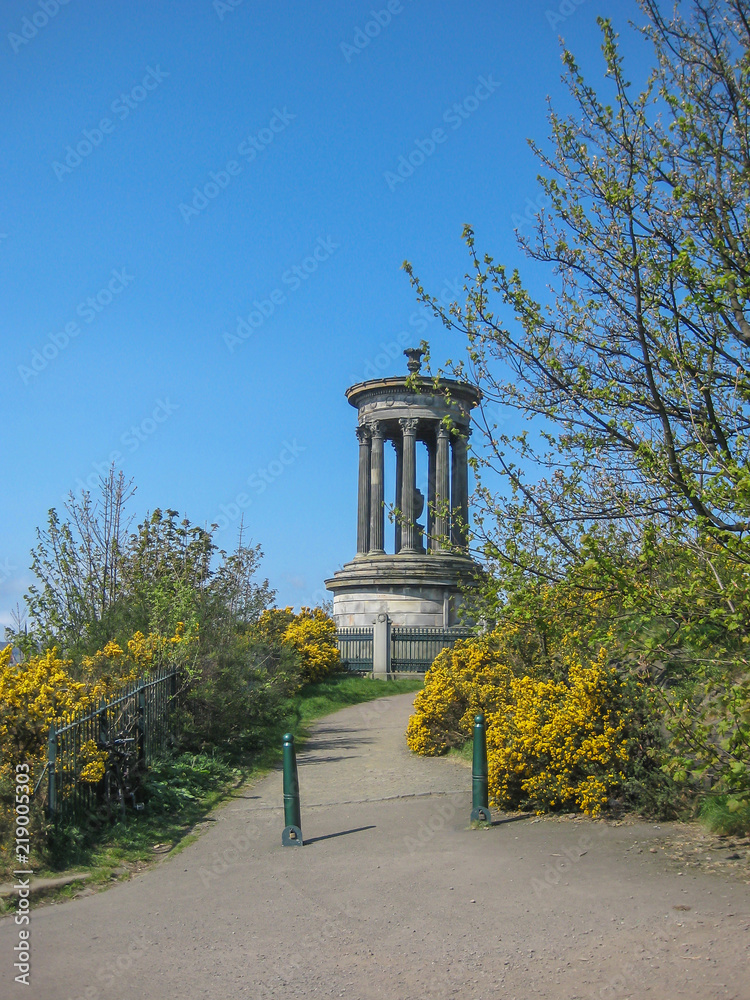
(480,815)
(291,837)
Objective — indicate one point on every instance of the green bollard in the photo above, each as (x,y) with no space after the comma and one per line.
(292,835)
(480,811)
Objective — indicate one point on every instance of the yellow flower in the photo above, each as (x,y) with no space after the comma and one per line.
(551,744)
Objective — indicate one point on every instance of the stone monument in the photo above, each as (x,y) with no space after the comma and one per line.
(418,583)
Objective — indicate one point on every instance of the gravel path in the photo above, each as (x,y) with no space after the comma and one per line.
(393,896)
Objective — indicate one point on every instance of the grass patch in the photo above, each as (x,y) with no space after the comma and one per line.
(727,814)
(183,788)
(464,753)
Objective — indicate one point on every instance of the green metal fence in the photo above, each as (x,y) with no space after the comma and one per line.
(413,648)
(355,648)
(139,718)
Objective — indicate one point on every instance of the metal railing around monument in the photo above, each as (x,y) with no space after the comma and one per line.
(355,648)
(413,647)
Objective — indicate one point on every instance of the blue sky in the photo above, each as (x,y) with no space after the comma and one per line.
(202,231)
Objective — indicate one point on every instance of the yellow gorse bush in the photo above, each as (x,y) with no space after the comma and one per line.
(551,744)
(46,689)
(273,622)
(111,668)
(462,681)
(558,744)
(33,695)
(312,633)
(93,760)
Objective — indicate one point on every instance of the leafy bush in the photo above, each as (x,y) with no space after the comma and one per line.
(46,689)
(551,744)
(235,692)
(33,695)
(559,744)
(312,633)
(710,746)
(727,814)
(472,677)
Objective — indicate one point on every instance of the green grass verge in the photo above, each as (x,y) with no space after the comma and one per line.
(183,788)
(727,815)
(463,753)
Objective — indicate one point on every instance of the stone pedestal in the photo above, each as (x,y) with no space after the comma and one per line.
(411,589)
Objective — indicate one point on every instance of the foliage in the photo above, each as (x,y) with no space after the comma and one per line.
(636,372)
(46,689)
(97,583)
(551,744)
(111,606)
(630,476)
(33,695)
(111,668)
(727,814)
(312,633)
(93,761)
(559,744)
(469,678)
(711,740)
(78,563)
(236,691)
(274,622)
(534,635)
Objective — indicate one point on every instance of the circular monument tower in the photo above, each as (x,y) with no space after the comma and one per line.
(418,583)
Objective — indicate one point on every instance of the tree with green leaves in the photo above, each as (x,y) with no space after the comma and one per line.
(78,564)
(637,368)
(632,368)
(98,581)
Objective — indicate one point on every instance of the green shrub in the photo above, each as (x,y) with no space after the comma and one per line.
(727,814)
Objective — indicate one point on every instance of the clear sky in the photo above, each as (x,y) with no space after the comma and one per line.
(202,227)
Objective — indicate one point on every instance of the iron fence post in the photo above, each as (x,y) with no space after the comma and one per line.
(141,702)
(102,714)
(51,768)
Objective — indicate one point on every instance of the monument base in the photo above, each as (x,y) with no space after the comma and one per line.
(411,588)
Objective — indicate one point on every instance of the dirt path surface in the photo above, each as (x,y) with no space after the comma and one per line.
(393,896)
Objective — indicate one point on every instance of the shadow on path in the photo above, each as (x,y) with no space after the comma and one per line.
(510,819)
(343,833)
(340,743)
(301,759)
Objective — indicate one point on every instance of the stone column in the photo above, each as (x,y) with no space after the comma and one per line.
(460,489)
(376,489)
(363,494)
(431,448)
(399,480)
(442,487)
(409,484)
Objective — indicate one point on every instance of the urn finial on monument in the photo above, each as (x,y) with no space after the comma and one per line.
(415,355)
(411,572)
